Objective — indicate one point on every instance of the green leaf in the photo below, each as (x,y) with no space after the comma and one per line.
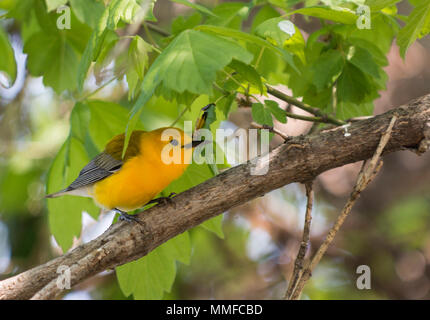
(254,40)
(376,5)
(347,110)
(261,115)
(7,60)
(363,60)
(88,11)
(54,53)
(107,120)
(352,85)
(196,6)
(230,14)
(188,63)
(118,10)
(136,64)
(296,43)
(377,55)
(249,73)
(265,13)
(93,48)
(65,212)
(121,10)
(272,31)
(276,111)
(341,15)
(149,277)
(381,34)
(181,23)
(214,225)
(54,4)
(417,26)
(53,58)
(327,69)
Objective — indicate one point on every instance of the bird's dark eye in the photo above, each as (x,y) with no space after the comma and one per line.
(174,142)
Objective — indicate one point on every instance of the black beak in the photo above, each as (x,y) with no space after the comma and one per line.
(193,144)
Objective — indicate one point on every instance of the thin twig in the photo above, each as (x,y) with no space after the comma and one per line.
(180,115)
(366,175)
(298,264)
(158,30)
(148,34)
(315,111)
(85,97)
(271,129)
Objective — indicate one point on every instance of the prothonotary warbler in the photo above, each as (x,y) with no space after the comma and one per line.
(127,184)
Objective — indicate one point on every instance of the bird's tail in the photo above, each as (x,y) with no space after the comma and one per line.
(57,194)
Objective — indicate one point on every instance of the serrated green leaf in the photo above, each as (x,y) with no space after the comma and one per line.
(352,85)
(190,65)
(230,14)
(276,111)
(383,29)
(181,23)
(88,11)
(7,59)
(296,44)
(136,64)
(116,11)
(417,26)
(261,115)
(105,56)
(54,53)
(53,58)
(327,69)
(265,13)
(271,30)
(363,60)
(341,15)
(254,40)
(249,73)
(377,55)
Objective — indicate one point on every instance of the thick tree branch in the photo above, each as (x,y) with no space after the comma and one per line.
(299,160)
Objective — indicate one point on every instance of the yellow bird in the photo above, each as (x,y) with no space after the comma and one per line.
(130,183)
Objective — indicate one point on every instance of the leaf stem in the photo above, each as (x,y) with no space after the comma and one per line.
(96,90)
(158,30)
(180,115)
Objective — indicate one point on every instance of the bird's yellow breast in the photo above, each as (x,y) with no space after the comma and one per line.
(140,178)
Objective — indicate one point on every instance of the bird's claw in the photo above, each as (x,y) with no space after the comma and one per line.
(163,200)
(124,216)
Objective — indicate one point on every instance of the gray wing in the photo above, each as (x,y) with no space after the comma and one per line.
(97,169)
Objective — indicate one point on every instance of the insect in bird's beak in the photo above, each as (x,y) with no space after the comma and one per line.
(193,144)
(199,124)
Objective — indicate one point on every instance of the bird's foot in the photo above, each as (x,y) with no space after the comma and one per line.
(163,200)
(124,216)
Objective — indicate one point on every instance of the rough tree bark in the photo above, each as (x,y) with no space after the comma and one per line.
(299,160)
